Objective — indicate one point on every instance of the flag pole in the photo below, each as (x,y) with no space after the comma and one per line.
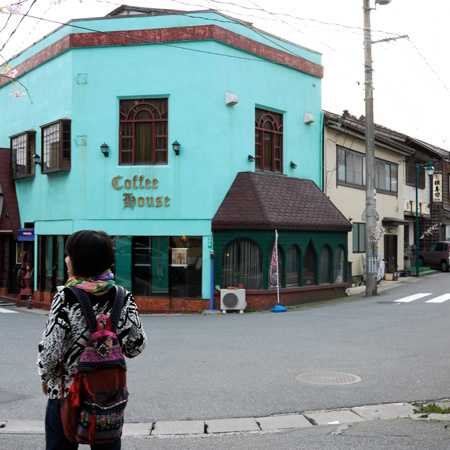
(277,308)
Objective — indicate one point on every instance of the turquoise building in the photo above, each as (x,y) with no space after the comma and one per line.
(137,124)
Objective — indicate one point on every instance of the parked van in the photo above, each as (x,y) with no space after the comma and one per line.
(436,255)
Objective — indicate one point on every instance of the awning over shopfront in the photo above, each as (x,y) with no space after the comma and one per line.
(258,201)
(394,222)
(8,188)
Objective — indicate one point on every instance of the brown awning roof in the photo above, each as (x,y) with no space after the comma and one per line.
(9,190)
(393,221)
(258,201)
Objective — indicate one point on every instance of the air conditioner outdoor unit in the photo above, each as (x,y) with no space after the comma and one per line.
(407,206)
(424,209)
(232,300)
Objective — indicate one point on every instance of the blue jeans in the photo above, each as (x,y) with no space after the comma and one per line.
(55,439)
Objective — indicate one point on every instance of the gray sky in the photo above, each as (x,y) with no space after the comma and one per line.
(411,78)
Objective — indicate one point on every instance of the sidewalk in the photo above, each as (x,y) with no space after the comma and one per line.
(310,419)
(384,285)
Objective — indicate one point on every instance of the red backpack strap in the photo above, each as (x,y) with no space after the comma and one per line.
(107,322)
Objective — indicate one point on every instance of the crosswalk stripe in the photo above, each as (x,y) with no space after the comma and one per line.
(440,299)
(7,311)
(412,297)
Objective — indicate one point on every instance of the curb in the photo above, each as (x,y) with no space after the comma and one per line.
(275,423)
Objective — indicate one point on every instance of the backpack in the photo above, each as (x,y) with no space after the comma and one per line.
(93,412)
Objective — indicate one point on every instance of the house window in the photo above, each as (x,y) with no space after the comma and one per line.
(143,131)
(351,167)
(23,147)
(359,238)
(386,176)
(268,141)
(351,171)
(292,266)
(56,146)
(242,263)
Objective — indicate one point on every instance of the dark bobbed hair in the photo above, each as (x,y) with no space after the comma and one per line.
(91,252)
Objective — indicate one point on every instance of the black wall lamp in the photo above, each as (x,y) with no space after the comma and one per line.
(293,165)
(37,159)
(105,149)
(176,147)
(251,158)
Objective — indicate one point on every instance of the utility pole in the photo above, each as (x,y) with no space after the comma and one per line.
(371,247)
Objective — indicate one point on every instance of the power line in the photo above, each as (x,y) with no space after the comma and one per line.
(35,25)
(429,65)
(145,41)
(18,25)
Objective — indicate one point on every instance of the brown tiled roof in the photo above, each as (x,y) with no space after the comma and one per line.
(9,190)
(258,201)
(383,135)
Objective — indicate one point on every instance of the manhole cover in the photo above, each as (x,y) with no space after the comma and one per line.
(328,378)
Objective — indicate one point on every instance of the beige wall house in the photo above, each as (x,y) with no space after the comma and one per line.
(344,184)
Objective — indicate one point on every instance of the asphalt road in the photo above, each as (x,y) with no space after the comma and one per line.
(225,366)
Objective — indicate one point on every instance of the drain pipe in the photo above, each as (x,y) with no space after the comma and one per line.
(211,281)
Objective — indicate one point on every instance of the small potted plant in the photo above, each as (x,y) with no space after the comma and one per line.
(389,274)
(356,281)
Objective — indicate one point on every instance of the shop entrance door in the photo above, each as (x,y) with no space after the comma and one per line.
(390,251)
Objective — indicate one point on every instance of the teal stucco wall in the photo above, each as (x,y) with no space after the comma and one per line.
(215,139)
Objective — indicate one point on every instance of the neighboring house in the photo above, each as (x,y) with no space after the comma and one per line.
(10,248)
(396,156)
(140,124)
(434,198)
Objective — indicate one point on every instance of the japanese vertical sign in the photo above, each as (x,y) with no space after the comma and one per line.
(437,187)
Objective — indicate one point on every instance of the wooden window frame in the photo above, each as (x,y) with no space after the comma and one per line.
(62,146)
(129,118)
(276,131)
(30,149)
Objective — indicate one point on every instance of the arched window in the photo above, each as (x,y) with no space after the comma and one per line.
(242,263)
(309,266)
(338,275)
(324,269)
(143,132)
(292,266)
(268,141)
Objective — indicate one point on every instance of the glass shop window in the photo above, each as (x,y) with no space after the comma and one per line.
(185,271)
(309,266)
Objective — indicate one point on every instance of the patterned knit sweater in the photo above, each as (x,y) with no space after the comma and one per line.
(66,334)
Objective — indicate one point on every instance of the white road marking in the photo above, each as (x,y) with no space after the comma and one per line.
(412,297)
(7,311)
(440,299)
